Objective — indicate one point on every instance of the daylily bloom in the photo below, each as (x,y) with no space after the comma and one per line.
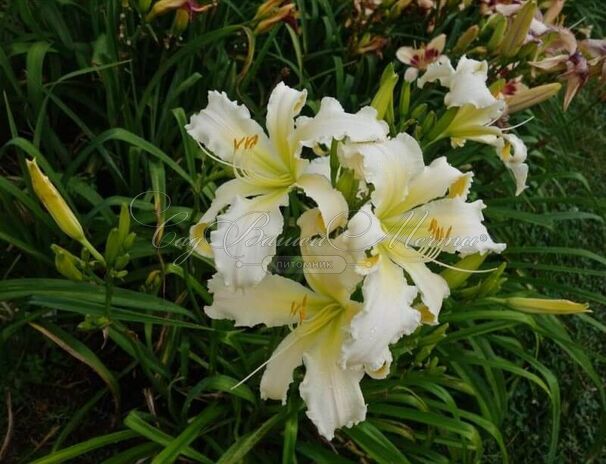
(563,54)
(477,107)
(576,75)
(267,168)
(185,10)
(595,51)
(478,110)
(271,12)
(322,314)
(415,213)
(419,59)
(369,43)
(488,7)
(537,26)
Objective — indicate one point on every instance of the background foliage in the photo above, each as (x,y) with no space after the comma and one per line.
(100,97)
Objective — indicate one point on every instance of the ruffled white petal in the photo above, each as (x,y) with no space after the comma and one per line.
(467,233)
(383,371)
(332,122)
(329,265)
(332,394)
(269,303)
(320,165)
(245,238)
(440,70)
(364,230)
(225,127)
(432,287)
(389,166)
(224,195)
(387,315)
(284,105)
(520,174)
(468,85)
(330,201)
(433,182)
(278,374)
(513,153)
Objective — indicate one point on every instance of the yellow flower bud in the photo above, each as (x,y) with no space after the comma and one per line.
(518,29)
(468,36)
(499,25)
(525,98)
(58,208)
(271,13)
(546,306)
(181,21)
(163,7)
(54,203)
(66,263)
(266,8)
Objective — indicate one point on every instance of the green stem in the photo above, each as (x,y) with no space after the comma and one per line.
(93,251)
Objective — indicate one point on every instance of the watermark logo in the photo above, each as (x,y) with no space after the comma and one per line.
(235,238)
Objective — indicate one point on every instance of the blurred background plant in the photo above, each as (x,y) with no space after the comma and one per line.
(98,95)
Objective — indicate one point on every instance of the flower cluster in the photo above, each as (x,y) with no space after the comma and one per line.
(365,255)
(530,41)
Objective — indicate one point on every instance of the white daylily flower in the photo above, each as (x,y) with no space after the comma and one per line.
(322,314)
(467,83)
(267,168)
(415,213)
(477,111)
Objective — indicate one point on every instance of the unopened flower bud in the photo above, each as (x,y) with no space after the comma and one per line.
(54,202)
(518,29)
(383,99)
(181,21)
(468,36)
(525,98)
(66,263)
(546,306)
